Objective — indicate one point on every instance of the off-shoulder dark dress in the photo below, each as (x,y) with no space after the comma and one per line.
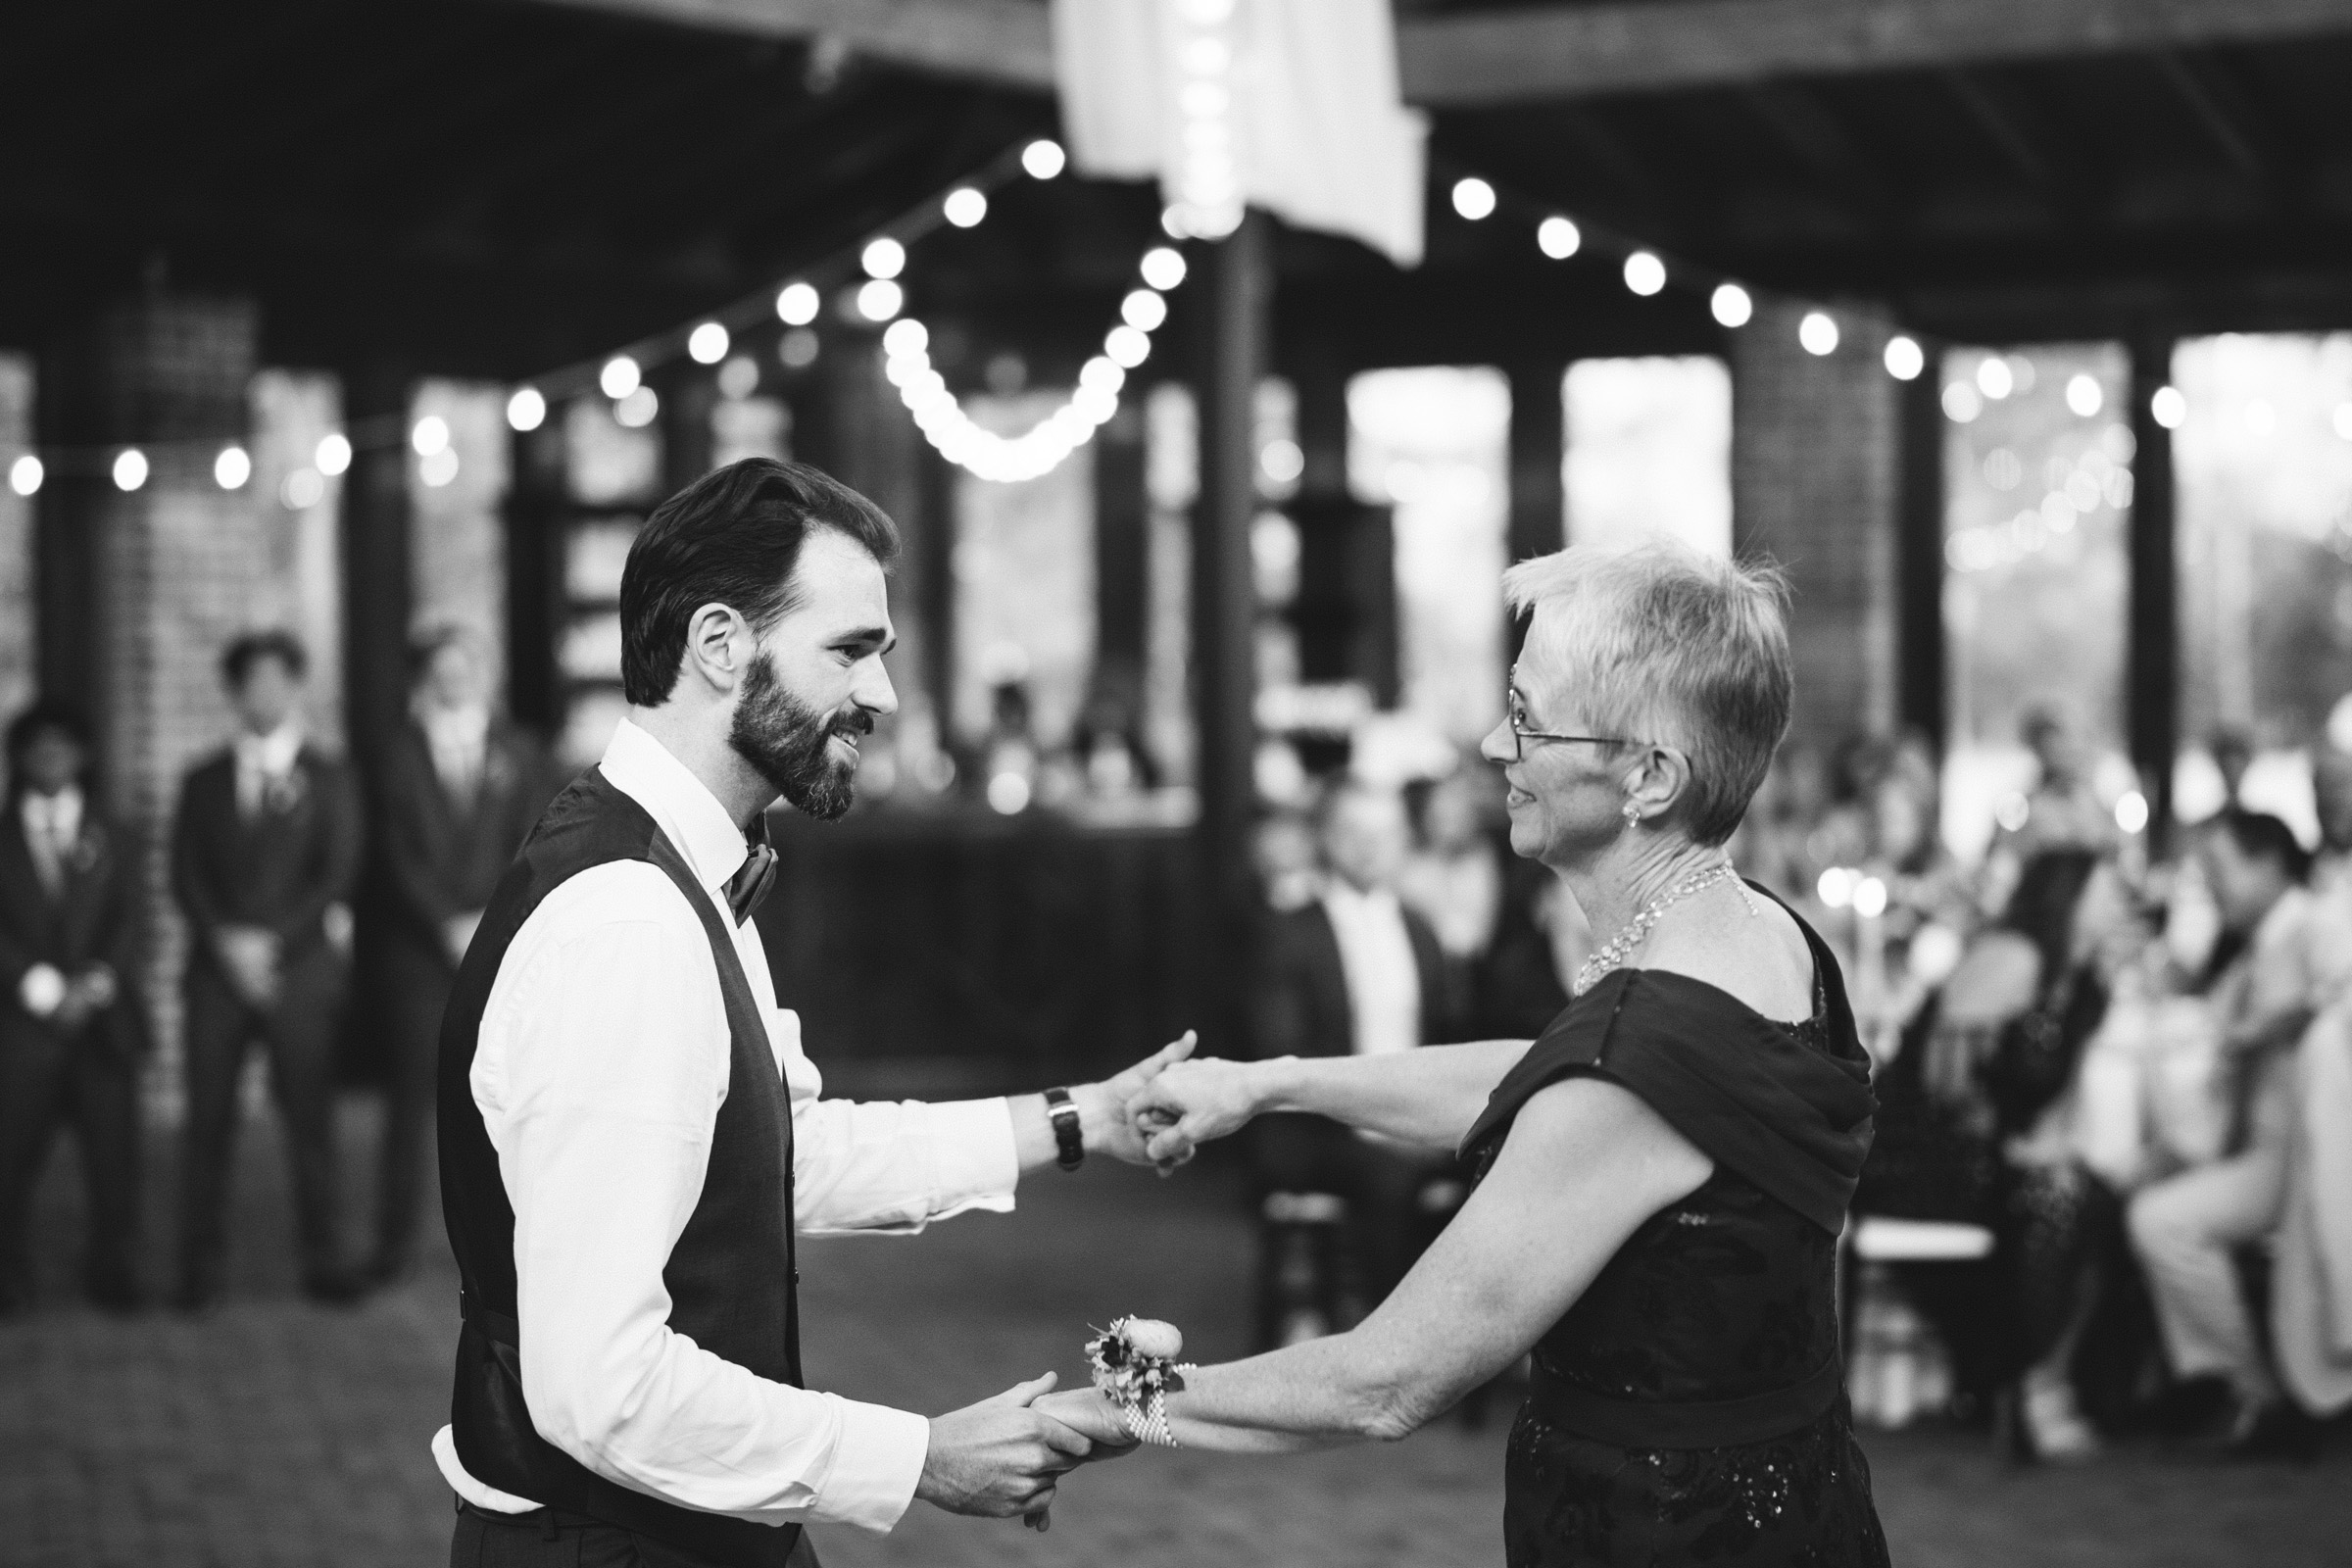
(1691,1407)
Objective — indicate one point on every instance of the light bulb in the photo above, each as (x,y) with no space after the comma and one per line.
(2169,408)
(1730,305)
(232,468)
(1043,159)
(130,468)
(1143,309)
(883,258)
(24,474)
(1558,238)
(333,455)
(795,304)
(619,377)
(706,344)
(1163,268)
(964,207)
(905,339)
(1644,274)
(1905,360)
(879,298)
(1127,347)
(429,435)
(1817,333)
(526,409)
(1473,198)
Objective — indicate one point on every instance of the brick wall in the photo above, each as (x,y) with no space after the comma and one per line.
(17,648)
(1815,467)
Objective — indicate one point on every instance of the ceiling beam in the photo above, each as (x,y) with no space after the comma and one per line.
(1005,42)
(1491,59)
(1476,60)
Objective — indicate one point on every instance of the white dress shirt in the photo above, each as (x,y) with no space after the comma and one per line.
(457,738)
(52,826)
(1376,954)
(263,761)
(602,1061)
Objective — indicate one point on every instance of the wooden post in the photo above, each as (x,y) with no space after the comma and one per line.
(537,499)
(376,590)
(2153,704)
(1122,538)
(1918,557)
(1539,517)
(1236,350)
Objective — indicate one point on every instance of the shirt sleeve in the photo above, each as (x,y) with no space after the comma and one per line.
(890,1166)
(601,1101)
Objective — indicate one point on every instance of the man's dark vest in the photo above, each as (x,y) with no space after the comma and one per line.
(730,1276)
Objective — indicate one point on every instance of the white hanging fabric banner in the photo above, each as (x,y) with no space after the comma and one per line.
(1292,105)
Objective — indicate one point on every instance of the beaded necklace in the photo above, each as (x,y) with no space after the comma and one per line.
(1620,946)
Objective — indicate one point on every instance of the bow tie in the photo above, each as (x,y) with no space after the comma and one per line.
(749,886)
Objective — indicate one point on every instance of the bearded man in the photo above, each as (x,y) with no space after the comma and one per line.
(630,1134)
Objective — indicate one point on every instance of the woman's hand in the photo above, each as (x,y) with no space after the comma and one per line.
(1087,1412)
(1192,1102)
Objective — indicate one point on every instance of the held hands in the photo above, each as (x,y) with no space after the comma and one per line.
(1188,1104)
(1104,1108)
(1001,1458)
(250,955)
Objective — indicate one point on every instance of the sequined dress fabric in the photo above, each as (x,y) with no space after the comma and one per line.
(1728,1293)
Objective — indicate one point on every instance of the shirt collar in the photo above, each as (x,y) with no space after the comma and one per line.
(60,812)
(273,753)
(680,805)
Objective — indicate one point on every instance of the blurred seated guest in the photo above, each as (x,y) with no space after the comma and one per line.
(460,791)
(2186,1228)
(71,1032)
(1110,752)
(2061,809)
(266,841)
(1354,973)
(2310,1287)
(1982,1063)
(1773,842)
(1285,862)
(1454,878)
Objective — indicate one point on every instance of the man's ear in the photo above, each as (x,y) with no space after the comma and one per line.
(717,645)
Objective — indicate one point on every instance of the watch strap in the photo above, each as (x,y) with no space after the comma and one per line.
(1070,1142)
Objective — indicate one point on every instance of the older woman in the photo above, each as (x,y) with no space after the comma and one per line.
(1663,1172)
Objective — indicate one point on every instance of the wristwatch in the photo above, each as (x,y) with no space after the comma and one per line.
(1067,1139)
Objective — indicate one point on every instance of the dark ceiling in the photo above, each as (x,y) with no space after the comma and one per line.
(477,188)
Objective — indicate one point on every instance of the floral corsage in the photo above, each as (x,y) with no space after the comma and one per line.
(1136,1368)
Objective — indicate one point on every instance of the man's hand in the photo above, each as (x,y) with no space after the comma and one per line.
(1000,1457)
(249,954)
(1102,1117)
(1188,1104)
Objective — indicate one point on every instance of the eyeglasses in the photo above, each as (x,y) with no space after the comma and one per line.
(1514,710)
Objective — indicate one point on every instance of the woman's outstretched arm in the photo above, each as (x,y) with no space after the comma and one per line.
(1585,1164)
(1426,1098)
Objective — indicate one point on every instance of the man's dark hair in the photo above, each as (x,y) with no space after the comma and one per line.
(2260,836)
(240,656)
(733,537)
(44,715)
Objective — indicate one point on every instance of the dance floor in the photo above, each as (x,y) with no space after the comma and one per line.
(277,1433)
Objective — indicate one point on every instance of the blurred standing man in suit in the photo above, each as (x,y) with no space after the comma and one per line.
(1354,972)
(459,793)
(266,842)
(71,1034)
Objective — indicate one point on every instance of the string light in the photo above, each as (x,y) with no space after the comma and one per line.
(2169,408)
(964,207)
(1473,198)
(708,343)
(24,475)
(131,470)
(1644,274)
(2082,395)
(302,490)
(1817,333)
(1126,346)
(1163,268)
(430,435)
(1558,237)
(1143,309)
(883,258)
(797,303)
(879,298)
(1904,357)
(636,410)
(619,377)
(739,377)
(1208,188)
(1993,378)
(333,455)
(1730,305)
(437,469)
(232,468)
(526,409)
(1044,157)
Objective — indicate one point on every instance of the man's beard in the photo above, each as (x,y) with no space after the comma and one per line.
(789,743)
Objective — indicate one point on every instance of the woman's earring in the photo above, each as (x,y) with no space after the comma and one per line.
(1633,814)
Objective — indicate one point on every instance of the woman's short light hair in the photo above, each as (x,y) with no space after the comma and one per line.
(1661,643)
